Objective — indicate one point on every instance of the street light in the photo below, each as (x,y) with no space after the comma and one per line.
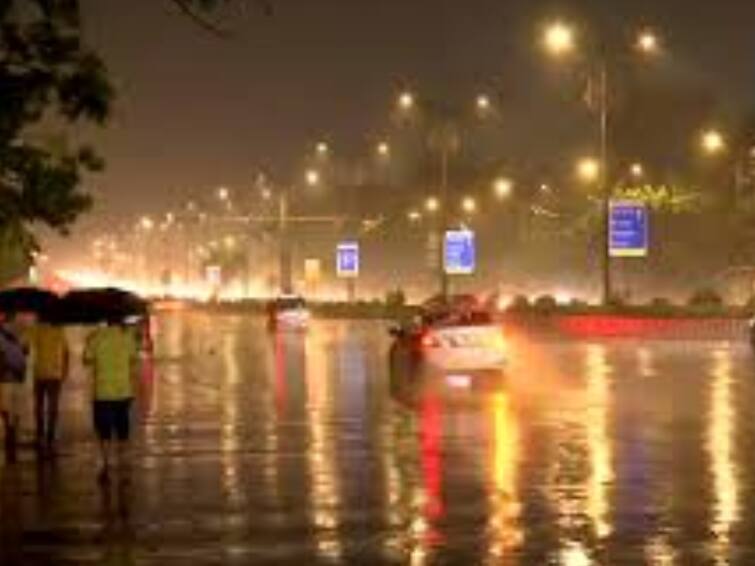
(414,216)
(146,223)
(469,205)
(406,101)
(223,193)
(432,204)
(322,149)
(558,39)
(483,103)
(312,177)
(648,42)
(637,170)
(588,169)
(383,149)
(502,187)
(713,142)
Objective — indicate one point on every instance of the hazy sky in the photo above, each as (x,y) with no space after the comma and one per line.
(195,111)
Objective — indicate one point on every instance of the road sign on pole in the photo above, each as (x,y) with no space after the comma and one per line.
(347,260)
(214,275)
(459,257)
(628,229)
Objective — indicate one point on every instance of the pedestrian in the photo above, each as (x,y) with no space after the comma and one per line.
(50,369)
(12,376)
(112,354)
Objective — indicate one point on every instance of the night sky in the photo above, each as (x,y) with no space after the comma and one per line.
(195,111)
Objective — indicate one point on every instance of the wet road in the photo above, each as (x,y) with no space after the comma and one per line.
(291,450)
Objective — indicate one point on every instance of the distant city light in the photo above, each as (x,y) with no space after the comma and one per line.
(637,170)
(146,223)
(588,169)
(469,205)
(503,187)
(483,103)
(312,177)
(322,149)
(713,142)
(414,216)
(383,149)
(432,204)
(406,101)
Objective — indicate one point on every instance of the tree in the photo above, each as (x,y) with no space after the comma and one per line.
(50,85)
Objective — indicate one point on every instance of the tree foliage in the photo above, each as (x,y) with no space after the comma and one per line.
(50,85)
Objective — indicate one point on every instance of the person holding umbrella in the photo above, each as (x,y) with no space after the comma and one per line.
(12,375)
(50,370)
(112,354)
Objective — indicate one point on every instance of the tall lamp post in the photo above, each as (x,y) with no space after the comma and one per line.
(444,138)
(560,41)
(285,259)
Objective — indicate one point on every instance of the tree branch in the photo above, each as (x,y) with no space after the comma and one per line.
(187,10)
(185,6)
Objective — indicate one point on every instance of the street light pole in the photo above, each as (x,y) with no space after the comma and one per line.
(443,224)
(284,243)
(605,179)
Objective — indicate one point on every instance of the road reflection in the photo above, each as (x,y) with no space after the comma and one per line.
(723,461)
(296,447)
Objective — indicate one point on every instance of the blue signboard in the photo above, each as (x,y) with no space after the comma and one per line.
(459,252)
(347,259)
(628,229)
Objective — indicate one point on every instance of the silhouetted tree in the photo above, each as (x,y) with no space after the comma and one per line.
(50,83)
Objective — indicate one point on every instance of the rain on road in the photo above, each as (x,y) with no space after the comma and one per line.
(290,449)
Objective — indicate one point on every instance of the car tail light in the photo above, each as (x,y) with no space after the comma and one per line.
(430,340)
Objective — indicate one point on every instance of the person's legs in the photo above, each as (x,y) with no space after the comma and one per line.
(12,398)
(101,411)
(122,422)
(39,412)
(53,403)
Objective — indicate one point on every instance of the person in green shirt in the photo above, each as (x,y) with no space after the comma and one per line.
(112,354)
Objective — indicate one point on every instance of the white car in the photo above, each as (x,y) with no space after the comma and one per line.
(288,312)
(457,343)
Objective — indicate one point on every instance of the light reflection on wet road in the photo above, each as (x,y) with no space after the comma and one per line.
(290,449)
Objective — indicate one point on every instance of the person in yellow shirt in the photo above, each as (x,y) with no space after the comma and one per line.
(112,354)
(50,356)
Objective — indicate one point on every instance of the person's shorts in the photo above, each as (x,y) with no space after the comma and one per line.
(112,419)
(12,398)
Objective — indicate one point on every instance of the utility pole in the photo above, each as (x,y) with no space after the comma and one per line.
(605,180)
(284,243)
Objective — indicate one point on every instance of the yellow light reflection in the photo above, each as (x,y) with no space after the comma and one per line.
(230,442)
(574,554)
(323,469)
(721,431)
(598,440)
(660,552)
(503,524)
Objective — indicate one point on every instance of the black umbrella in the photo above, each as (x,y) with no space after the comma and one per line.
(93,306)
(28,300)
